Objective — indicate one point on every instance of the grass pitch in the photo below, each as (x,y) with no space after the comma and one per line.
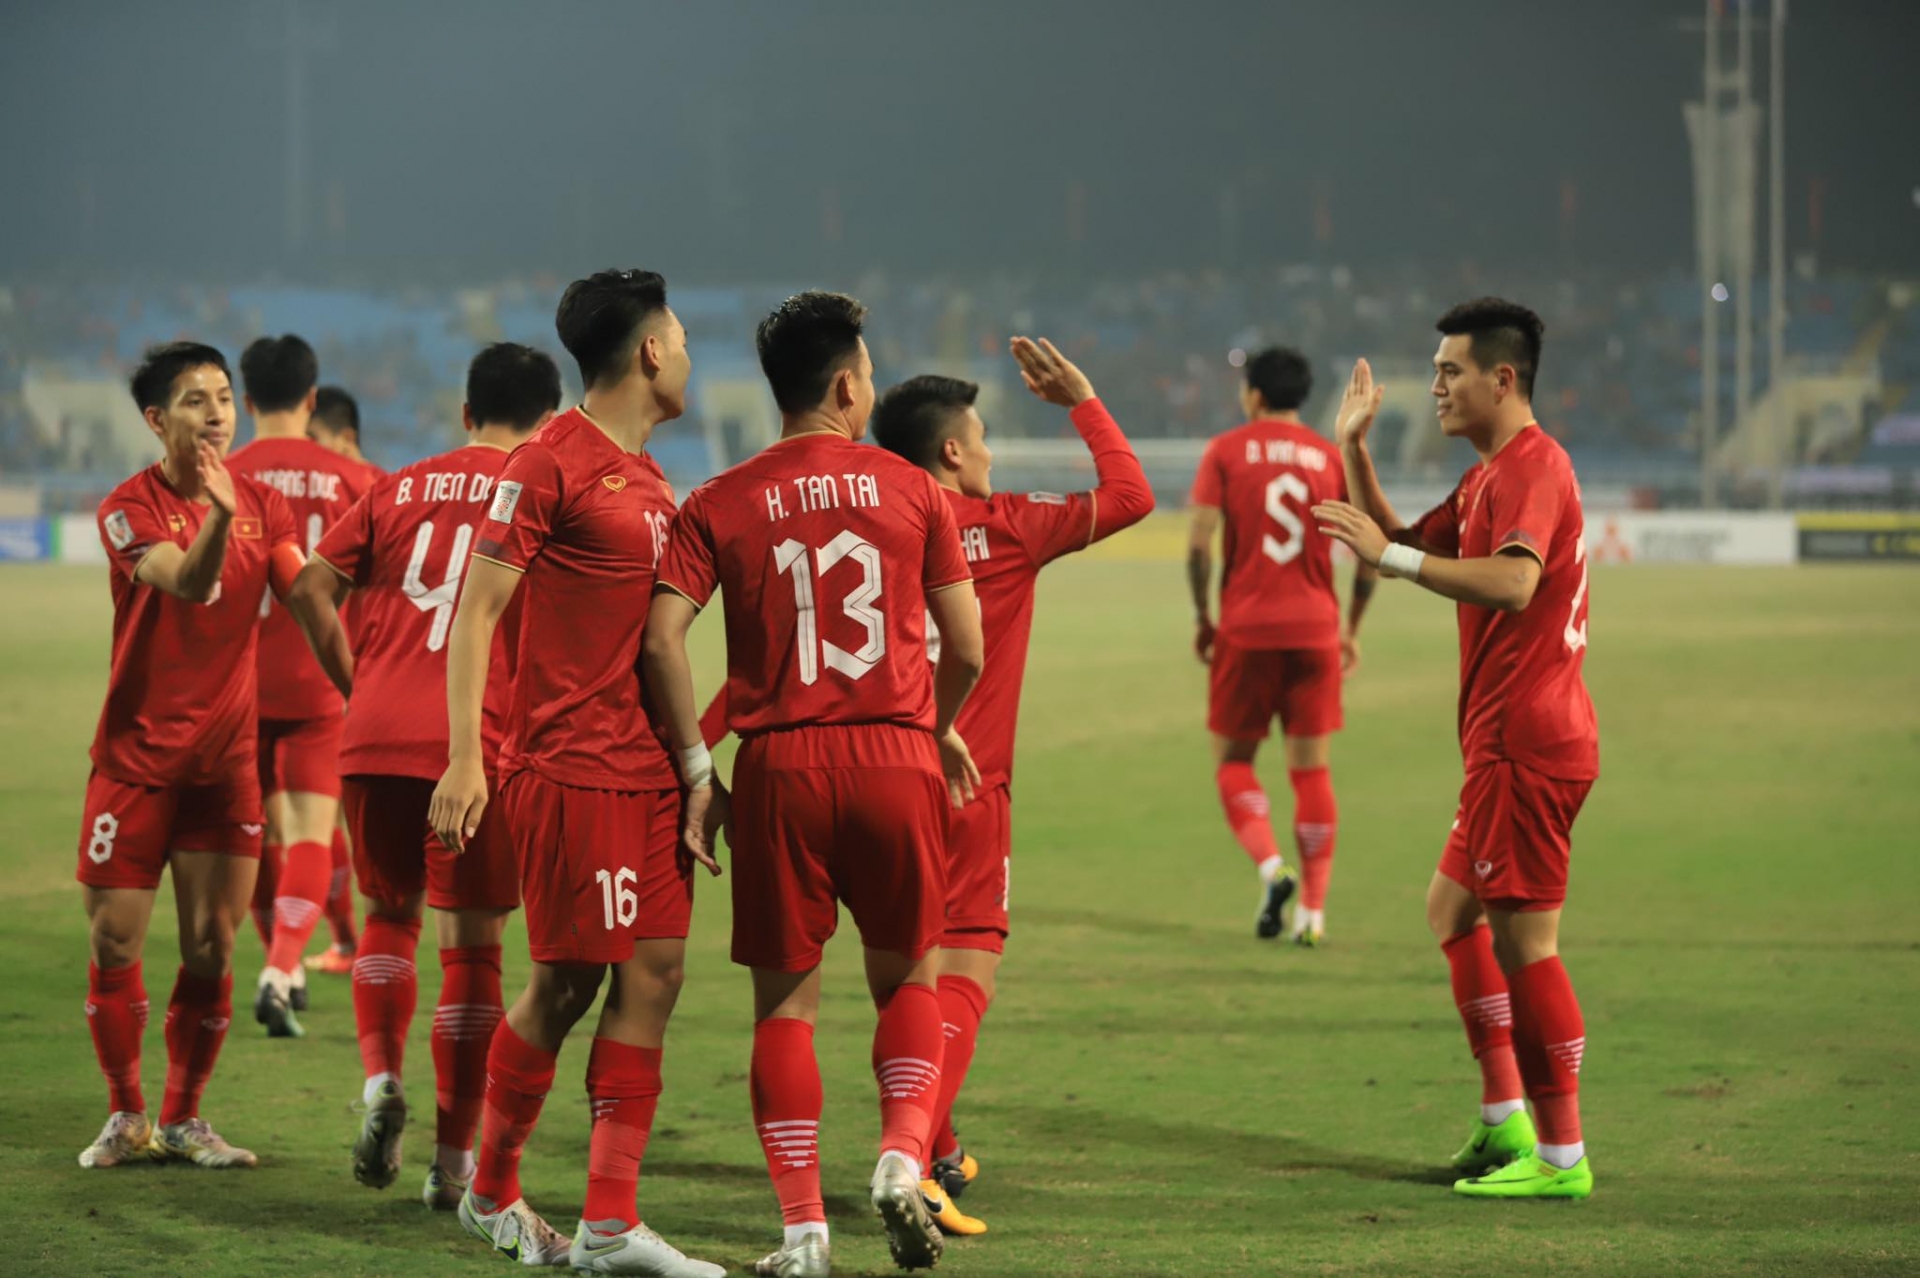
(1157,1093)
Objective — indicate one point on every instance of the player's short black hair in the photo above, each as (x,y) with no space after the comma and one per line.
(278,372)
(160,366)
(335,410)
(1283,377)
(600,319)
(918,416)
(805,342)
(513,385)
(1503,332)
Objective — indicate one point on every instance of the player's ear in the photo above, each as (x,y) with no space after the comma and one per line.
(156,421)
(843,395)
(312,401)
(647,355)
(466,418)
(251,410)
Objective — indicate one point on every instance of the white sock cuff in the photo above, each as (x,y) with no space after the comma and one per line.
(913,1164)
(1562,1156)
(1494,1113)
(798,1233)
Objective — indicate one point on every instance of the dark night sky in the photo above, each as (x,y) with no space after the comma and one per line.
(484,137)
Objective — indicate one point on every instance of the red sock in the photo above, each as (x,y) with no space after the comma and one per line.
(385,989)
(785,1081)
(1549,1037)
(297,903)
(197,1017)
(962,1006)
(623,1086)
(1480,992)
(1315,825)
(908,1045)
(463,1026)
(1247,810)
(117,1017)
(340,894)
(264,886)
(519,1076)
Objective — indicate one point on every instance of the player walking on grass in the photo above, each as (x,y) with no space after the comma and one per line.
(1508,546)
(1008,538)
(192,549)
(299,710)
(830,557)
(580,516)
(401,550)
(335,426)
(1281,648)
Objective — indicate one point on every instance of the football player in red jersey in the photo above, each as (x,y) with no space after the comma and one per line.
(335,425)
(579,519)
(1281,648)
(299,710)
(1008,538)
(401,551)
(1508,546)
(830,556)
(192,549)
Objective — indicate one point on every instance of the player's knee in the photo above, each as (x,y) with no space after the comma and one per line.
(566,990)
(207,947)
(114,943)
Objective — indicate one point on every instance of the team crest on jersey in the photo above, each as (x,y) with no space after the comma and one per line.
(177,522)
(248,527)
(505,497)
(1047,499)
(119,529)
(614,483)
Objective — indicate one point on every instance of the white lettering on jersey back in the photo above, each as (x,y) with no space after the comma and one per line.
(1284,452)
(974,541)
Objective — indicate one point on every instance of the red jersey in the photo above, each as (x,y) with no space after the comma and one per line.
(180,691)
(1008,539)
(404,548)
(826,551)
(319,484)
(1521,693)
(1276,583)
(586,521)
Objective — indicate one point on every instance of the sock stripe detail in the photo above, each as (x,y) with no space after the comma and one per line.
(295,911)
(1569,1053)
(793,1143)
(382,969)
(1494,1011)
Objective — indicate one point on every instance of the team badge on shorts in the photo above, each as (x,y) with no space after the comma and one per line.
(505,498)
(1483,868)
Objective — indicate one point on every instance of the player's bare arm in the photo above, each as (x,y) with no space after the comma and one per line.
(194,573)
(669,677)
(461,796)
(315,601)
(1365,578)
(1504,581)
(1358,408)
(963,655)
(1200,531)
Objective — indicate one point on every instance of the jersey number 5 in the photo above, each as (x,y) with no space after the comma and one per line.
(793,557)
(1287,516)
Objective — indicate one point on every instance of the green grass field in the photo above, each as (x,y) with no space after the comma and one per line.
(1158,1093)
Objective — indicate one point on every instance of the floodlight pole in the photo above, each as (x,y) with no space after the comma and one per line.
(1710,164)
(1741,153)
(1777,250)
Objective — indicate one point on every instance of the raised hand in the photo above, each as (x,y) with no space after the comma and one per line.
(1049,374)
(1349,524)
(1358,407)
(214,478)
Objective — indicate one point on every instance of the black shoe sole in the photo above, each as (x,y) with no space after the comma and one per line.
(1271,923)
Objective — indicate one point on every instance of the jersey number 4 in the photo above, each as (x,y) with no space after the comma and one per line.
(438,600)
(1279,490)
(795,558)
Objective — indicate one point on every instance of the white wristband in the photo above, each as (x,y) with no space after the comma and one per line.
(1402,561)
(696,766)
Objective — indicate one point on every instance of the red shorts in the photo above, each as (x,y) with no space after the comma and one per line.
(979,872)
(854,813)
(128,830)
(396,856)
(599,869)
(1249,686)
(301,755)
(1512,838)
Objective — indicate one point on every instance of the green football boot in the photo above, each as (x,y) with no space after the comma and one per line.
(1530,1177)
(1491,1147)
